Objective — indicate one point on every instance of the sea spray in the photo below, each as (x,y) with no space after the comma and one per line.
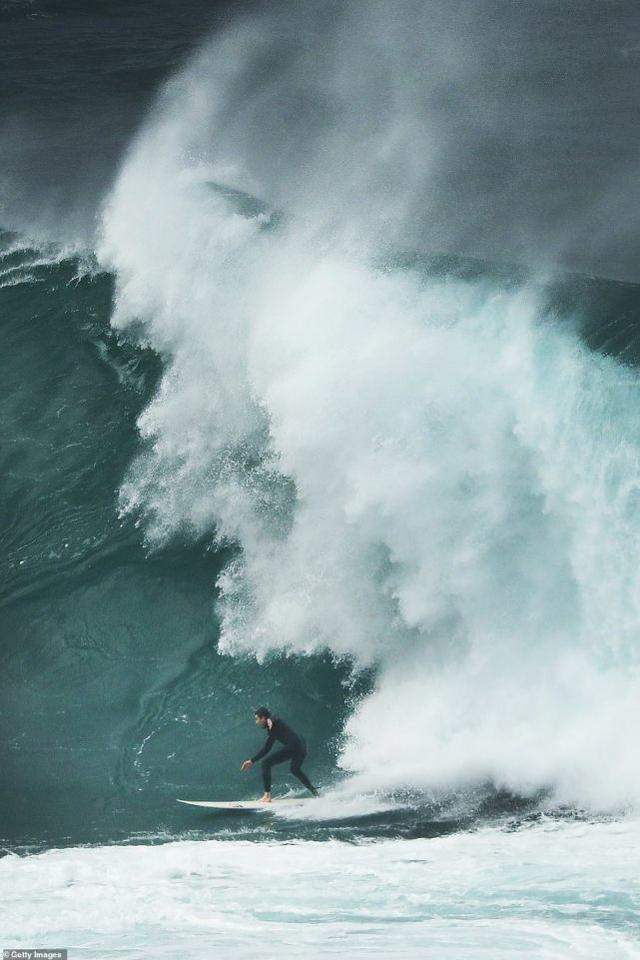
(431,476)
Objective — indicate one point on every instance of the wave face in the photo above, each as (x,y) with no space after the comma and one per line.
(114,698)
(426,472)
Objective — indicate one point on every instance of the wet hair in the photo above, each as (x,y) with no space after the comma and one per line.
(262,712)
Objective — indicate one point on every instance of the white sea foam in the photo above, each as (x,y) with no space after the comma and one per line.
(546,893)
(423,475)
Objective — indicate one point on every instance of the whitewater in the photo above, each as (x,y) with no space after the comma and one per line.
(419,484)
(547,892)
(424,474)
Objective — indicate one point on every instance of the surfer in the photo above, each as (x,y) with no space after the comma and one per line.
(294,749)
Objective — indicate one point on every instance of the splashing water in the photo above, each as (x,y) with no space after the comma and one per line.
(428,475)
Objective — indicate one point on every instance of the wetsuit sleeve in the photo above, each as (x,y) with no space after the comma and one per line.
(265,750)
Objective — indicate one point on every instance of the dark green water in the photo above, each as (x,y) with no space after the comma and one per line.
(114,700)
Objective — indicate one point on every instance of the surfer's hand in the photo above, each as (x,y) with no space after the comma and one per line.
(247,765)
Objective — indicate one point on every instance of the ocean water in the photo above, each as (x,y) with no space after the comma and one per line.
(315,394)
(545,892)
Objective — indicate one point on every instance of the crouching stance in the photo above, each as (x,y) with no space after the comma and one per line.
(294,749)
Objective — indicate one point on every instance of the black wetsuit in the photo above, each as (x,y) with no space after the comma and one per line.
(294,749)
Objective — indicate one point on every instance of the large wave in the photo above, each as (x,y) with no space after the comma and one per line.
(423,473)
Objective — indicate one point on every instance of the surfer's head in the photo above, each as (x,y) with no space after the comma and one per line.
(262,715)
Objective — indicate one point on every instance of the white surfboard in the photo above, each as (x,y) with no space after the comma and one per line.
(247,804)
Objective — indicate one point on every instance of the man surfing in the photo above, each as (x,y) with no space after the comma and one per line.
(294,749)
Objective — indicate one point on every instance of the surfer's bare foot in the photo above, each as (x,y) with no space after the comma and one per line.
(266,798)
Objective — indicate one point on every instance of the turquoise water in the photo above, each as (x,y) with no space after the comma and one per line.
(265,442)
